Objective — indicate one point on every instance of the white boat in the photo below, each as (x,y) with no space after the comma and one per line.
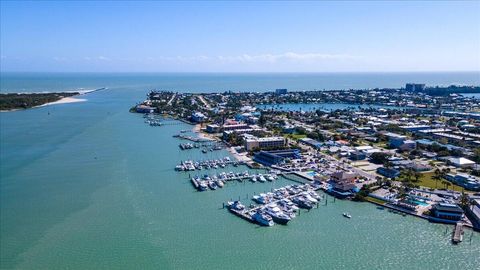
(347,215)
(253,179)
(263,219)
(262,179)
(277,215)
(270,178)
(236,205)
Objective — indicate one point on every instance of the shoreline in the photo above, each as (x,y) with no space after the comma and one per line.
(64,100)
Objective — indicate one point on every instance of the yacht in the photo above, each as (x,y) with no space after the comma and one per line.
(261,179)
(219,183)
(277,215)
(202,186)
(270,178)
(253,179)
(263,219)
(302,202)
(235,205)
(212,185)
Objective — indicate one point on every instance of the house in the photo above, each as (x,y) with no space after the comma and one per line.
(198,117)
(446,212)
(357,155)
(144,109)
(408,145)
(311,142)
(465,180)
(395,140)
(212,128)
(388,172)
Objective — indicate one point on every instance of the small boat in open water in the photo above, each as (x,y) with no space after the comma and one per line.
(347,215)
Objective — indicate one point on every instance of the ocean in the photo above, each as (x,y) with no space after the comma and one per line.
(90,186)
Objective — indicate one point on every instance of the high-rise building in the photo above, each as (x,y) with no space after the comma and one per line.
(415,87)
(281,91)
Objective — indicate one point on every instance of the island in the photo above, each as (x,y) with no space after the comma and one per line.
(15,101)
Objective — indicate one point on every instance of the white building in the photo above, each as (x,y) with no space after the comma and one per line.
(264,143)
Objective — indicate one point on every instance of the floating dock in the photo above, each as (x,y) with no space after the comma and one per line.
(457,235)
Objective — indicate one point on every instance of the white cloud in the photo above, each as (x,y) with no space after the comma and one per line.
(288,56)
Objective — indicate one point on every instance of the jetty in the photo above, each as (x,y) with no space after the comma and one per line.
(457,235)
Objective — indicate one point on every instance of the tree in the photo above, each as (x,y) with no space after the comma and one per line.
(379,157)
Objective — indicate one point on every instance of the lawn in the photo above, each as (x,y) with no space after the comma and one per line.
(296,136)
(426,180)
(375,200)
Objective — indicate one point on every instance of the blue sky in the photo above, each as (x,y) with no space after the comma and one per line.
(240,36)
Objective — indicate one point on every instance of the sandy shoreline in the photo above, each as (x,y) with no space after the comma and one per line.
(64,101)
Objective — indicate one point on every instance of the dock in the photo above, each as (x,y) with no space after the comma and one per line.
(247,214)
(457,235)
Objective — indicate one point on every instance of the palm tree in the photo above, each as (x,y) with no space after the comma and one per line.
(436,176)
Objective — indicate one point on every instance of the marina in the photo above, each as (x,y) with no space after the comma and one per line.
(279,206)
(190,165)
(218,180)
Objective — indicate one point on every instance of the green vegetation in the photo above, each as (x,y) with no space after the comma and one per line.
(23,101)
(374,200)
(429,180)
(296,136)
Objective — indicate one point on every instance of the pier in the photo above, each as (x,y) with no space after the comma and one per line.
(247,214)
(457,235)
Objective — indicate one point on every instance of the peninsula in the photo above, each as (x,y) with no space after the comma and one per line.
(414,150)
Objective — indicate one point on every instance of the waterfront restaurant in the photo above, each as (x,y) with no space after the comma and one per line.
(447,212)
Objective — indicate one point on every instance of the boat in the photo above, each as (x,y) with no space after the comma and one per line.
(235,205)
(219,183)
(277,215)
(347,215)
(302,202)
(212,185)
(270,178)
(202,186)
(263,219)
(204,151)
(253,179)
(261,179)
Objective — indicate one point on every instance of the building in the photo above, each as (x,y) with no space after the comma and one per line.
(281,91)
(461,162)
(270,158)
(264,143)
(311,142)
(473,213)
(465,180)
(413,128)
(395,140)
(343,176)
(235,126)
(388,172)
(198,117)
(408,145)
(415,87)
(144,109)
(212,128)
(357,155)
(447,212)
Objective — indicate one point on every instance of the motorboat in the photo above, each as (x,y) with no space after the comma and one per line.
(261,178)
(212,185)
(263,219)
(235,205)
(253,179)
(347,215)
(277,215)
(219,183)
(202,186)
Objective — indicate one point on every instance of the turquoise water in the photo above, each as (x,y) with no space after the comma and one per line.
(90,186)
(198,82)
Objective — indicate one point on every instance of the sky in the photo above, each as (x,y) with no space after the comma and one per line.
(376,36)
